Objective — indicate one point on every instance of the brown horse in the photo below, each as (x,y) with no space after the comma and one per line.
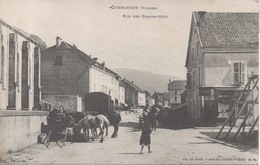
(114,119)
(93,122)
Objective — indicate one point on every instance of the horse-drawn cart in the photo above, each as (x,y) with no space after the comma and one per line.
(60,123)
(97,102)
(59,127)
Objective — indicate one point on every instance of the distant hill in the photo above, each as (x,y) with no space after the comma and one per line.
(146,80)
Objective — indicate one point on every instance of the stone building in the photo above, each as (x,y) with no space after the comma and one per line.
(222,53)
(175,88)
(20,118)
(158,98)
(134,96)
(68,74)
(148,98)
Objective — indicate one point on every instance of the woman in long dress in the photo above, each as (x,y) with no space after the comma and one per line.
(145,139)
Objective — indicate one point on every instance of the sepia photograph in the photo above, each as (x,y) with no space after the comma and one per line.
(129,82)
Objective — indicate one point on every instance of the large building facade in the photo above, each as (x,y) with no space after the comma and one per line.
(161,99)
(176,88)
(68,74)
(19,89)
(101,79)
(134,96)
(121,93)
(148,98)
(222,53)
(65,78)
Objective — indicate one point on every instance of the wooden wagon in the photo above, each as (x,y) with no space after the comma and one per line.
(97,102)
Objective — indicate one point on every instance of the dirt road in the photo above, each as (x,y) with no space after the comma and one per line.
(184,146)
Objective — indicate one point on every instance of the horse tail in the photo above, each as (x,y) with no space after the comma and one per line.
(106,122)
(97,120)
(80,122)
(119,117)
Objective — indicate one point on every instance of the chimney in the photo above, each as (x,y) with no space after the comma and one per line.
(95,60)
(74,46)
(103,65)
(169,80)
(58,41)
(201,14)
(132,81)
(201,19)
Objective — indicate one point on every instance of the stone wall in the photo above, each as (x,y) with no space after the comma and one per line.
(19,129)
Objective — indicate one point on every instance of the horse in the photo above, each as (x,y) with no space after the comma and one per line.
(93,122)
(75,117)
(114,119)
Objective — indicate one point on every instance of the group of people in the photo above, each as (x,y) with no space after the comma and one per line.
(145,139)
(58,119)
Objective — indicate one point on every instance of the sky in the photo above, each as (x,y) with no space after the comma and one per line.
(98,28)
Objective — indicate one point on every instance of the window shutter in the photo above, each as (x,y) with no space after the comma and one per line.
(238,72)
(243,72)
(232,72)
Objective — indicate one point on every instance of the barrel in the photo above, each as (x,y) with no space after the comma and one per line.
(41,137)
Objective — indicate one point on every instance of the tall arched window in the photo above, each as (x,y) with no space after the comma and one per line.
(1,64)
(58,60)
(2,68)
(29,73)
(18,71)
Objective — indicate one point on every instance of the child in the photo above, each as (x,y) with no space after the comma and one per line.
(145,139)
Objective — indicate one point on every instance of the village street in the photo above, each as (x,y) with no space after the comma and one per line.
(183,146)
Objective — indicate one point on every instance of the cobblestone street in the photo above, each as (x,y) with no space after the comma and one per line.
(184,146)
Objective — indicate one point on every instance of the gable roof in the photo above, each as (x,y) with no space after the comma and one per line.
(112,72)
(66,83)
(147,93)
(83,56)
(62,84)
(19,31)
(227,30)
(121,84)
(135,87)
(66,46)
(177,84)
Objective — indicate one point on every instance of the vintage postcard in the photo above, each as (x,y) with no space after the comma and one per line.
(129,82)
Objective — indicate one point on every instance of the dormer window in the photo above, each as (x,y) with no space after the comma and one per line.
(2,64)
(58,60)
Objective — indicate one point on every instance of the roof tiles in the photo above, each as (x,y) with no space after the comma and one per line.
(228,30)
(177,84)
